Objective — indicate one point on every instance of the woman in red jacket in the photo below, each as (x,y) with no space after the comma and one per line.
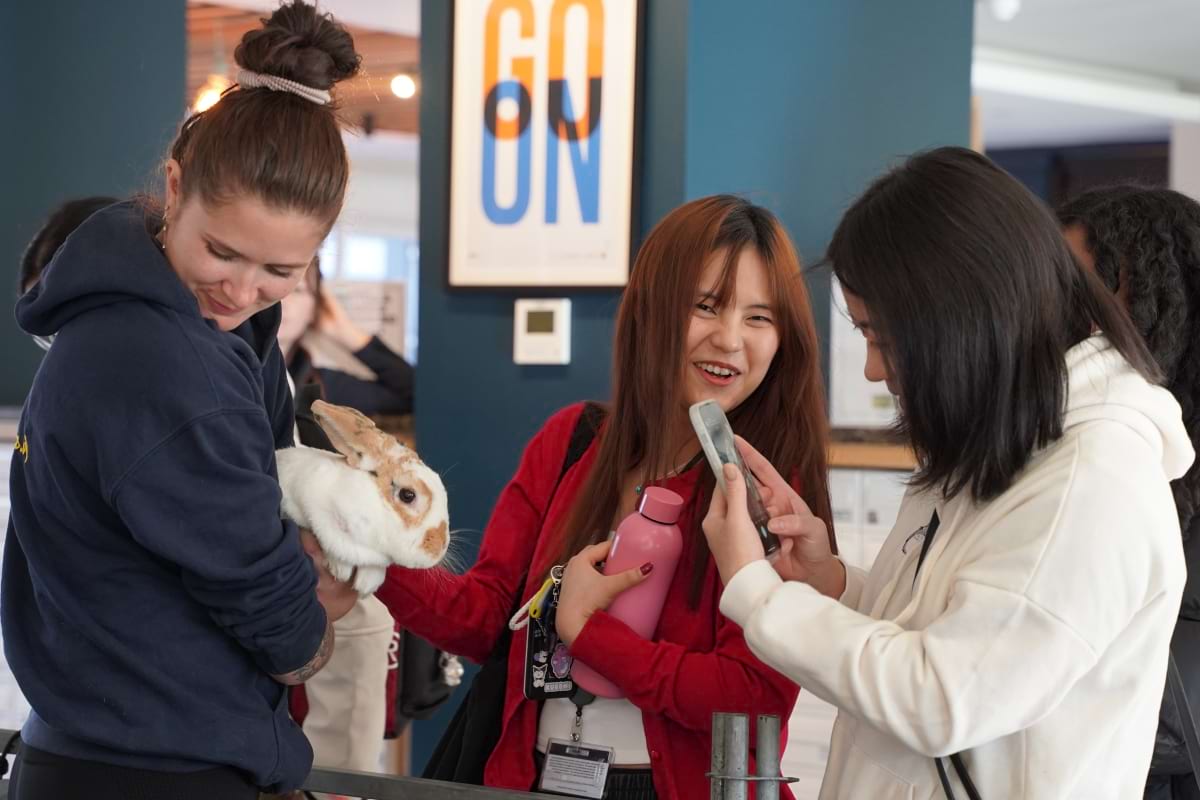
(716,307)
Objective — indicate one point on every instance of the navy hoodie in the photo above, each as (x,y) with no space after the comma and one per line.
(150,587)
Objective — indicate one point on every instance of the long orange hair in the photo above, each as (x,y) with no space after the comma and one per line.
(784,418)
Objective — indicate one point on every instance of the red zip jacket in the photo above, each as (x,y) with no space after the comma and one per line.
(698,662)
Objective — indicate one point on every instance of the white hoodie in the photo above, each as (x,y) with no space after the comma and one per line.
(1035,640)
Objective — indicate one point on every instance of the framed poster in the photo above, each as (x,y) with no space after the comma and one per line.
(542,142)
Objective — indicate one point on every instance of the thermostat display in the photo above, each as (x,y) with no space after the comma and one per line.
(542,332)
(539,322)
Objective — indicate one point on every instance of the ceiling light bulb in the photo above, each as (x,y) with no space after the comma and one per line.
(403,86)
(206,100)
(210,93)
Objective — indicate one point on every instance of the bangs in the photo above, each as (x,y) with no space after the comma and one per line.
(726,285)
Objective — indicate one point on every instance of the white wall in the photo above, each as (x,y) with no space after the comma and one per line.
(1185,158)
(382,197)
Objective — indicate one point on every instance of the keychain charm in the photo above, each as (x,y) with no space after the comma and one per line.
(547,660)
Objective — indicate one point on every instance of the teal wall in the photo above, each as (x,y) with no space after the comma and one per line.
(821,97)
(91,92)
(794,104)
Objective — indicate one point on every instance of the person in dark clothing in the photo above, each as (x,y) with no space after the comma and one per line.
(65,219)
(154,605)
(1144,243)
(312,307)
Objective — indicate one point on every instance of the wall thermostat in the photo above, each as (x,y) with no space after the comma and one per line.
(542,332)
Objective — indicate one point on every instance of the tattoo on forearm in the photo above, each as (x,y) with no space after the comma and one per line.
(324,651)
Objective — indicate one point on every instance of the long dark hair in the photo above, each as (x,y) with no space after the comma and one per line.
(976,299)
(1146,245)
(784,418)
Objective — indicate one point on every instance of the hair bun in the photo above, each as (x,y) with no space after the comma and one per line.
(300,44)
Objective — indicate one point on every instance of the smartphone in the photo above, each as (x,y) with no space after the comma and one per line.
(716,437)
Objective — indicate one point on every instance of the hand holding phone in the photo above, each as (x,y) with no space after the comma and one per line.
(716,438)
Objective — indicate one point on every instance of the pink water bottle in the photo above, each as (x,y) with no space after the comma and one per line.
(647,535)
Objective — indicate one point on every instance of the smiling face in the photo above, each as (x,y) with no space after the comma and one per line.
(239,257)
(731,341)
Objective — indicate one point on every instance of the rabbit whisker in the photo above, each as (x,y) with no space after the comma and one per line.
(455,559)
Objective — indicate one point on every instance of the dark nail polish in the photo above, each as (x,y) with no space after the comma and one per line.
(646,568)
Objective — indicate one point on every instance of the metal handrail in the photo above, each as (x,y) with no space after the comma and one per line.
(729,778)
(383,787)
(389,787)
(728,775)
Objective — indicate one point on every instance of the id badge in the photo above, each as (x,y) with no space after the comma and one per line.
(575,769)
(547,660)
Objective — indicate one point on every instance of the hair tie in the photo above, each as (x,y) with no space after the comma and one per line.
(254,80)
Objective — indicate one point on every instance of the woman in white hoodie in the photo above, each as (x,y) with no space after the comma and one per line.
(1011,639)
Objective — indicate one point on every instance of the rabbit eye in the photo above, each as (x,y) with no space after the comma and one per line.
(406,495)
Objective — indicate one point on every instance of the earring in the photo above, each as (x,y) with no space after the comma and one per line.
(162,232)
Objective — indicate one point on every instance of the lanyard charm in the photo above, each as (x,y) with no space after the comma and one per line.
(577,728)
(547,596)
(543,598)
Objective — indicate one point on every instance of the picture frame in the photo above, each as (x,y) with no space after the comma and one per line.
(531,204)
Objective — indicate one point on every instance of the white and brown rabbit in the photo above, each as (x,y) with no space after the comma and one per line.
(374,505)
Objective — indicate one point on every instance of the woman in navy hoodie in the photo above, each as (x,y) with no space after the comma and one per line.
(154,605)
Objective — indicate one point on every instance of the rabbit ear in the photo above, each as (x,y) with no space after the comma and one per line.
(351,434)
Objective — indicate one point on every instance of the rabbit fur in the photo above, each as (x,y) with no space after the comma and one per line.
(372,504)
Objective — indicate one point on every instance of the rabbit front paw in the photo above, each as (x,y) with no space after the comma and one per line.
(340,570)
(368,579)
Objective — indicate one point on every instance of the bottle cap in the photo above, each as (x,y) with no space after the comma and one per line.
(660,505)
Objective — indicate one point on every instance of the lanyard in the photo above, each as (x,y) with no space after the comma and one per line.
(930,530)
(580,698)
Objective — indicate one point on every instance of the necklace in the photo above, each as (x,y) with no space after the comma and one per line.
(637,490)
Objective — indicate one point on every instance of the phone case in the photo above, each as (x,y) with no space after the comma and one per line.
(708,418)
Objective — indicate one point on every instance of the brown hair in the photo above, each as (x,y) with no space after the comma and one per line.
(277,146)
(784,418)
